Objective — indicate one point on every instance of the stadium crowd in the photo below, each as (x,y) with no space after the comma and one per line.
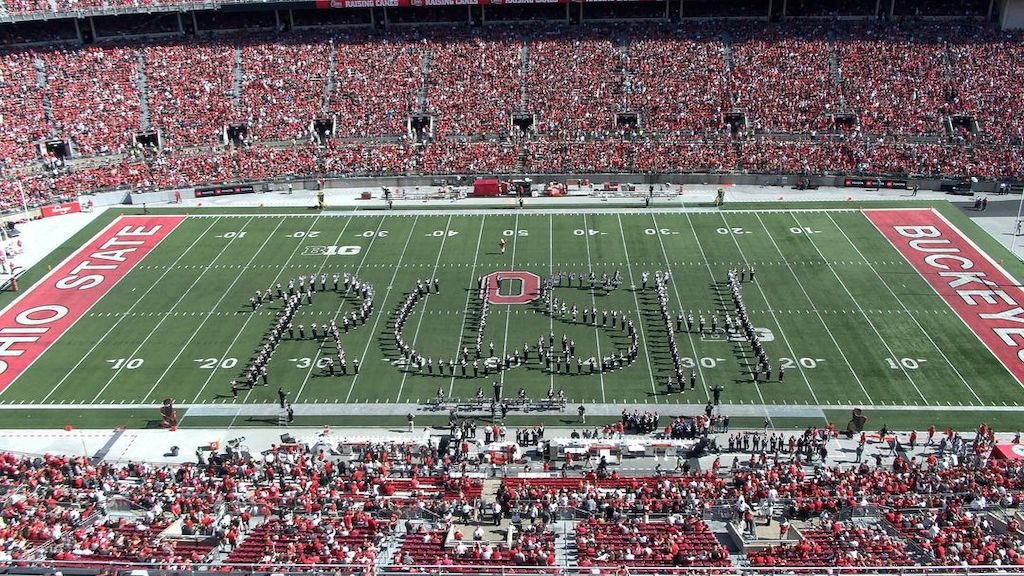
(298,506)
(723,97)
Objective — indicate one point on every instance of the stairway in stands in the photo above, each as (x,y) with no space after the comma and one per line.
(727,57)
(625,84)
(144,119)
(332,56)
(236,84)
(424,80)
(565,544)
(41,83)
(524,68)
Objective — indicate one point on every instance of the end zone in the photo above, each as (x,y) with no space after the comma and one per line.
(978,290)
(40,316)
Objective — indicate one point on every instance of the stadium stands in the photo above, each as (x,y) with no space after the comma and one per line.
(646,97)
(403,506)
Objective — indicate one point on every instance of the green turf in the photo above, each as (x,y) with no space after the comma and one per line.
(854,323)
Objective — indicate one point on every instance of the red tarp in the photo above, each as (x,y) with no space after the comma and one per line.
(486,188)
(1008,451)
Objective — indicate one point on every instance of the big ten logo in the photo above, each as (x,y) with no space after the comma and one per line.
(331,250)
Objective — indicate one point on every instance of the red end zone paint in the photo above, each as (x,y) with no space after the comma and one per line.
(38,318)
(530,287)
(981,293)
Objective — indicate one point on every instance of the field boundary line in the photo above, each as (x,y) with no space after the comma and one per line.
(121,318)
(984,254)
(359,267)
(319,271)
(181,298)
(703,255)
(469,294)
(679,299)
(480,211)
(249,317)
(814,307)
(768,304)
(971,242)
(905,309)
(380,308)
(208,315)
(640,315)
(594,409)
(861,310)
(508,307)
(26,290)
(426,298)
(551,275)
(593,301)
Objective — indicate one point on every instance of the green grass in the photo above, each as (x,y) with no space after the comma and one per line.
(855,324)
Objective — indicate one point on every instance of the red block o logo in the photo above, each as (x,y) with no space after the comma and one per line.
(529,287)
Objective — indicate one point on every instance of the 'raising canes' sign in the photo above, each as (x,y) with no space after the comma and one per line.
(980,292)
(39,317)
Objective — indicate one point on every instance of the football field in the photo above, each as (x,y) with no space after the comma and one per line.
(854,321)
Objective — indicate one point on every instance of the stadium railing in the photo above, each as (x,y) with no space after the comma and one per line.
(30,568)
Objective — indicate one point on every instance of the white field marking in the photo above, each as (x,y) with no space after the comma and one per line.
(181,298)
(469,294)
(817,313)
(863,313)
(675,289)
(320,270)
(391,284)
(593,300)
(714,281)
(767,303)
(208,314)
(639,320)
(554,211)
(984,255)
(551,274)
(905,309)
(508,308)
(120,317)
(26,290)
(249,317)
(419,321)
(355,274)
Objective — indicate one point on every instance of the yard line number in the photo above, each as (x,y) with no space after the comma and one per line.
(908,363)
(212,363)
(808,363)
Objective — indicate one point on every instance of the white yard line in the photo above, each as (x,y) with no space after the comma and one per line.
(379,306)
(423,310)
(355,274)
(551,274)
(508,309)
(319,270)
(904,306)
(249,317)
(675,289)
(862,313)
(593,300)
(814,307)
(714,281)
(639,319)
(181,299)
(209,313)
(469,294)
(128,311)
(768,304)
